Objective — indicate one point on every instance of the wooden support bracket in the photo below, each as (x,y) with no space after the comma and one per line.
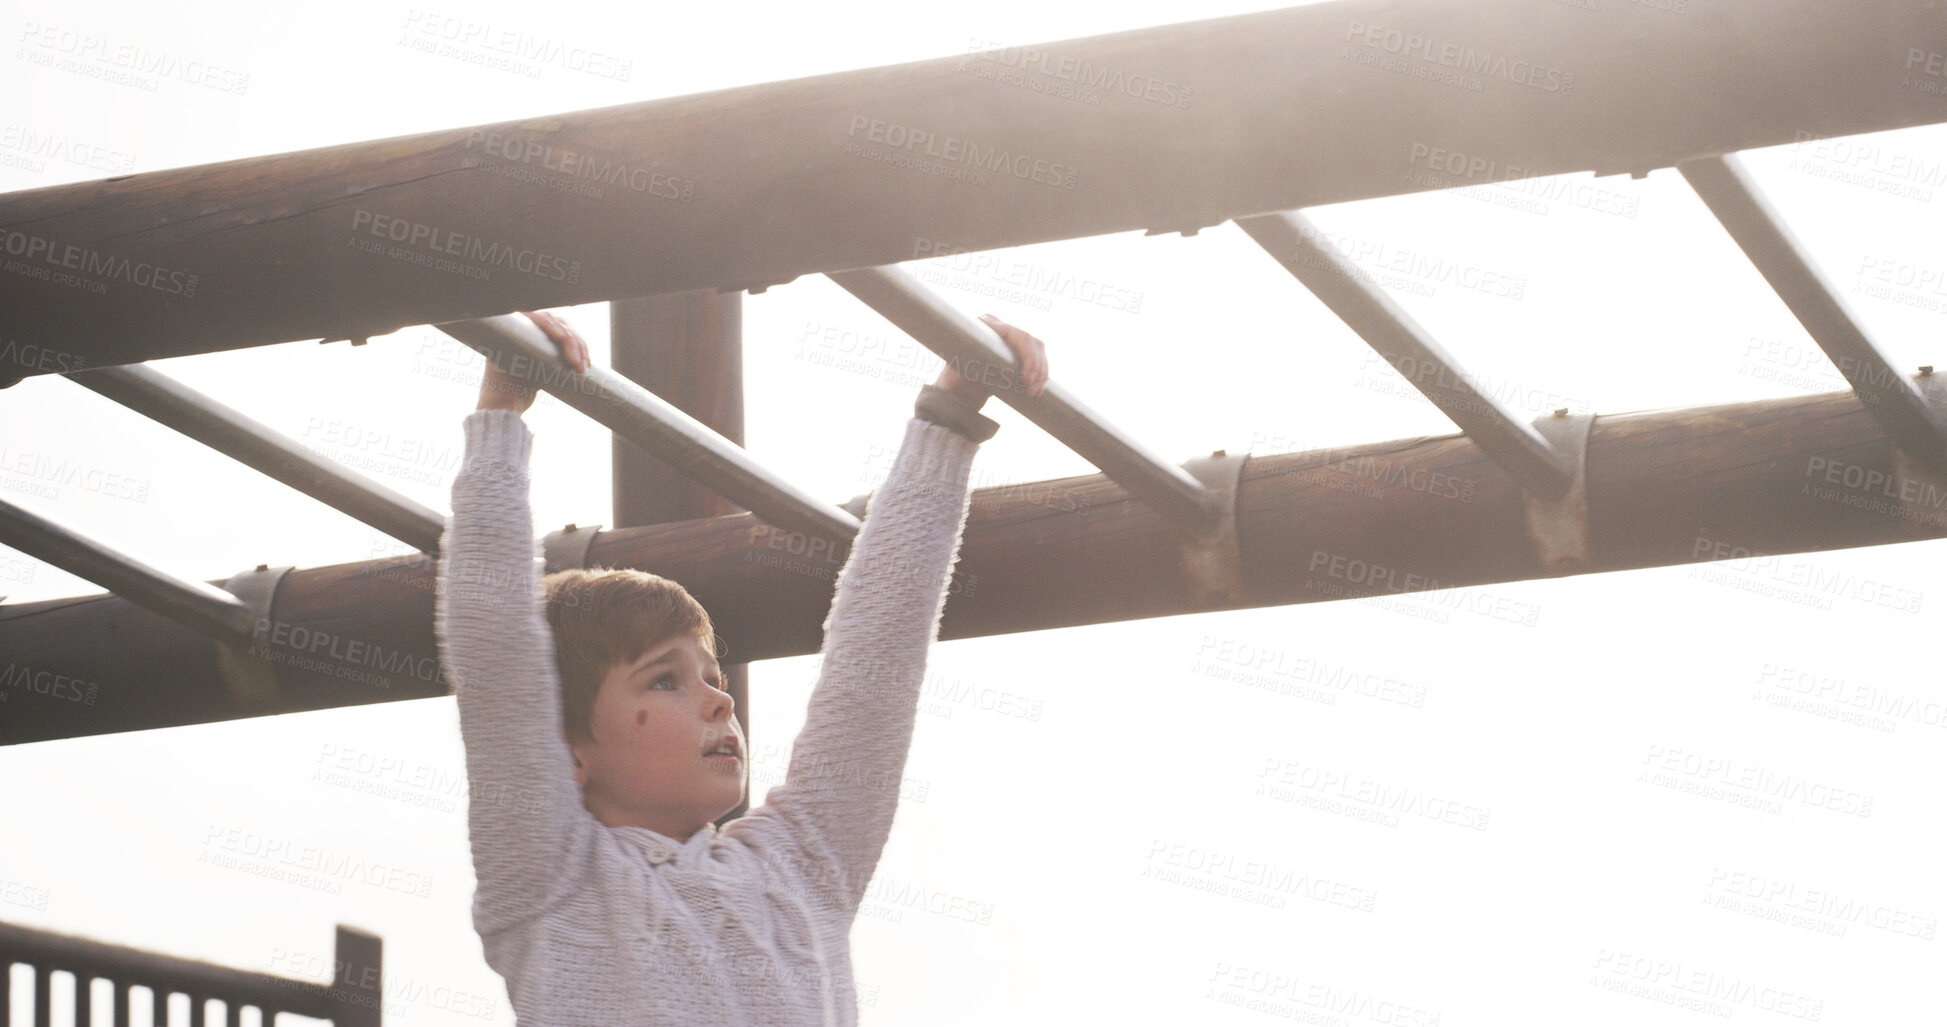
(1559,528)
(567,549)
(251,678)
(1210,562)
(1920,488)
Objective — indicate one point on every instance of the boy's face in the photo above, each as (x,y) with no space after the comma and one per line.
(655,723)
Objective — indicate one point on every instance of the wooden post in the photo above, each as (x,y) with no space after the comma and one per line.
(687,348)
(359,994)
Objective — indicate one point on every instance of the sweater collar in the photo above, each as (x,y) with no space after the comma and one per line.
(651,841)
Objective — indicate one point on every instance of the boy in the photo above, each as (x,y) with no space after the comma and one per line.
(605,893)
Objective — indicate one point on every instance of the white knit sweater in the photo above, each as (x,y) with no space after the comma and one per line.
(593,926)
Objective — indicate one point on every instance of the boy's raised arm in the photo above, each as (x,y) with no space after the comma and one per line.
(525,813)
(842,786)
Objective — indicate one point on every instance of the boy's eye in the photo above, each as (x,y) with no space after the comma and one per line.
(671,681)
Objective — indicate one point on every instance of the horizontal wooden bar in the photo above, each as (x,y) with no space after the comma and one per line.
(1159,129)
(1664,487)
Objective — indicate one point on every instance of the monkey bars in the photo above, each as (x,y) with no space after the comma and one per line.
(1404,96)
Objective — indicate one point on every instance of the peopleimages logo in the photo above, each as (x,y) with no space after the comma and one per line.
(1044,71)
(515,45)
(120,61)
(422,236)
(35,250)
(593,166)
(1458,59)
(954,150)
(31,144)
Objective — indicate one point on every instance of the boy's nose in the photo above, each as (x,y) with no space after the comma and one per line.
(721,705)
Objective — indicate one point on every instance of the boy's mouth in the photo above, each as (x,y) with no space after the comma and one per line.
(724,748)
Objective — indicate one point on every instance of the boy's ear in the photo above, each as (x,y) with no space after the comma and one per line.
(581,769)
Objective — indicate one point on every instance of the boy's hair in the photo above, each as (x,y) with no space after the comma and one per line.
(602,616)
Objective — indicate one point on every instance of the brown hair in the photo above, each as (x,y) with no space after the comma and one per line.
(602,616)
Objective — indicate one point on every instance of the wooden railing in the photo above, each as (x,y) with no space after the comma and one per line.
(351,999)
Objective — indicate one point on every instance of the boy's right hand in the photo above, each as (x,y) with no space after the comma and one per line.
(1030,353)
(501,391)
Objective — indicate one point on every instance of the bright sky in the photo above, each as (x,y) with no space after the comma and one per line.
(1164,821)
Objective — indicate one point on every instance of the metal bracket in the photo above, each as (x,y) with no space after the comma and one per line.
(1923,519)
(567,549)
(251,679)
(1210,562)
(1185,230)
(1559,528)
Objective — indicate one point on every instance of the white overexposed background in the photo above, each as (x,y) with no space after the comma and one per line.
(1089,836)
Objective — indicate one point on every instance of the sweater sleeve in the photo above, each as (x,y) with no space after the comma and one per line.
(524,814)
(841,787)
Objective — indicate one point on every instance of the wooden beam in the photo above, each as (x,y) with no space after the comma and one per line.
(1160,129)
(1665,487)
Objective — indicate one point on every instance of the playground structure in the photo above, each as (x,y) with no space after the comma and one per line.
(1190,126)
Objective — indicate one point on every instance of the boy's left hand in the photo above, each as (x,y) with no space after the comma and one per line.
(502,391)
(1030,354)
